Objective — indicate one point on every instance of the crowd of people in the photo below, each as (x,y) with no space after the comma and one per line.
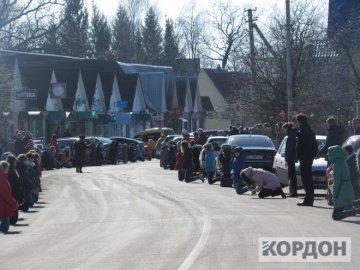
(194,160)
(20,186)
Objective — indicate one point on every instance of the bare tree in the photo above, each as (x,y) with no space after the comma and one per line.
(190,27)
(311,74)
(227,31)
(23,23)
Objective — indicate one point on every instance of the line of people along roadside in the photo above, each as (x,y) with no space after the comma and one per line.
(195,161)
(20,185)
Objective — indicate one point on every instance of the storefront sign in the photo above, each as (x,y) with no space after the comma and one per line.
(122,104)
(26,94)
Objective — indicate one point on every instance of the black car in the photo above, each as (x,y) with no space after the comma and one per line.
(259,149)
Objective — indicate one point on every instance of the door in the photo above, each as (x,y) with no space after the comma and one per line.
(280,164)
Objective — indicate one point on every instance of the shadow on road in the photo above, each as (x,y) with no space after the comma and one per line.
(12,232)
(38,206)
(351,221)
(31,211)
(41,203)
(323,207)
(21,225)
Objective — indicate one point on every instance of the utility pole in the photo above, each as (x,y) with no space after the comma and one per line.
(289,83)
(252,48)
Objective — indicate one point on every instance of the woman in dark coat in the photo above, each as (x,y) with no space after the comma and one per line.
(80,153)
(99,154)
(291,157)
(27,185)
(188,164)
(196,153)
(13,177)
(172,155)
(225,161)
(113,150)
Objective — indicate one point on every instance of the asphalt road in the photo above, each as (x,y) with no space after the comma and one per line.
(139,216)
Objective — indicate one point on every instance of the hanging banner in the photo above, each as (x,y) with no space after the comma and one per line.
(58,90)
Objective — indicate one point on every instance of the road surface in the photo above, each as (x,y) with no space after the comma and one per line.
(139,216)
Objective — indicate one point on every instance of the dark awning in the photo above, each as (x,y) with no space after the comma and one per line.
(104,118)
(84,116)
(56,116)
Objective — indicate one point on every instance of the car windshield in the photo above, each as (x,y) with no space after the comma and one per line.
(169,132)
(246,141)
(217,142)
(64,143)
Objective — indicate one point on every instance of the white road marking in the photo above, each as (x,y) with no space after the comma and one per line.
(194,254)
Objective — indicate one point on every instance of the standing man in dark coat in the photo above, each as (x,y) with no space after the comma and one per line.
(291,156)
(356,126)
(80,153)
(334,137)
(306,150)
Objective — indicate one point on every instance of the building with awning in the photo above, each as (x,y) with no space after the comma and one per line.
(159,89)
(132,93)
(68,92)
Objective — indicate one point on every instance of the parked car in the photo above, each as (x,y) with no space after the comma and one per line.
(106,143)
(259,149)
(63,142)
(354,141)
(123,140)
(171,137)
(39,144)
(154,134)
(216,142)
(178,138)
(318,168)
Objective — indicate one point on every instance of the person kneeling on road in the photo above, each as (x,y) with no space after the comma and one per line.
(264,182)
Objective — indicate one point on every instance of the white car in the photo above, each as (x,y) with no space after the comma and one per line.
(216,142)
(319,166)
